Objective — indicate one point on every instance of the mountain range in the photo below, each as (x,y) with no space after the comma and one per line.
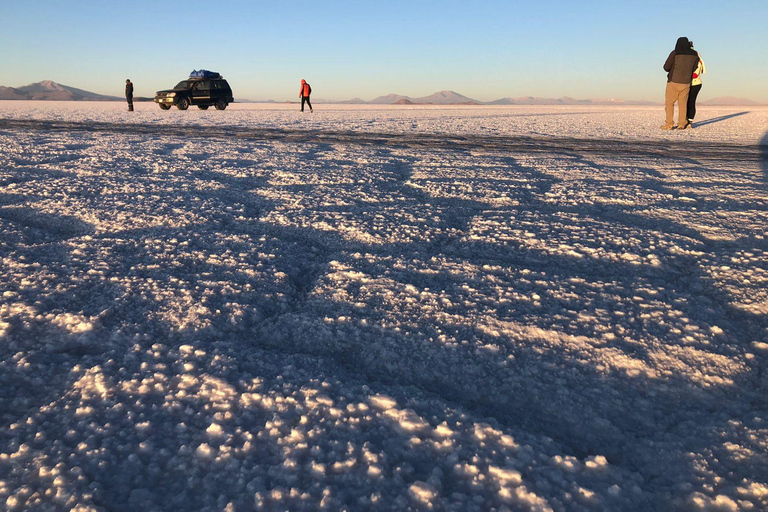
(438,98)
(49,90)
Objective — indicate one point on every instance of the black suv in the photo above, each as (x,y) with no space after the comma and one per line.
(202,92)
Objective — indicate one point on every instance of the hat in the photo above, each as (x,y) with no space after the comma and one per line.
(127,80)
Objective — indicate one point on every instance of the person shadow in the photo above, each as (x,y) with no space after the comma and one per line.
(719,119)
(764,156)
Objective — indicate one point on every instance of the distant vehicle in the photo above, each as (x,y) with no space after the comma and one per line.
(204,90)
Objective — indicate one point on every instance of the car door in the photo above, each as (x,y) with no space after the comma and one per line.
(225,92)
(215,91)
(201,92)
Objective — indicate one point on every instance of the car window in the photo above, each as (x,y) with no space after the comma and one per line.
(184,84)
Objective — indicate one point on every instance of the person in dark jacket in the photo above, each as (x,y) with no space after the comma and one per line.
(680,64)
(129,94)
(304,93)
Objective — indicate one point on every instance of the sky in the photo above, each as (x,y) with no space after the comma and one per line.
(485,50)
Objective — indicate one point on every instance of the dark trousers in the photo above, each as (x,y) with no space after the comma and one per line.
(692,101)
(129,99)
(303,99)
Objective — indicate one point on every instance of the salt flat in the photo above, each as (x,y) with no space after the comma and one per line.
(382,308)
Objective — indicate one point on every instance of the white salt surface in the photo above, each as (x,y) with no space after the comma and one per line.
(382,308)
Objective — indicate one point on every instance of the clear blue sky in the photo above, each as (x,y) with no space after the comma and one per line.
(483,49)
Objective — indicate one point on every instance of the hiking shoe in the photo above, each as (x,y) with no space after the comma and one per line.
(668,127)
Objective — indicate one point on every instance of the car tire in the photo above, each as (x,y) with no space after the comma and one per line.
(164,107)
(221,105)
(183,104)
(203,107)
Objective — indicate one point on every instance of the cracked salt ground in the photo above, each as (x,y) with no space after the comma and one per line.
(302,435)
(381,309)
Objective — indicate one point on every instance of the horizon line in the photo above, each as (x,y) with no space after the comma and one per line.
(425,100)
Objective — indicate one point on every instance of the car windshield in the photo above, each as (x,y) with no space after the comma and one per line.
(184,84)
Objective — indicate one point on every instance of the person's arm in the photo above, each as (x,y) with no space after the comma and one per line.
(670,62)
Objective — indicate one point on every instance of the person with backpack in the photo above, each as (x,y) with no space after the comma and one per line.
(304,93)
(679,66)
(695,88)
(129,94)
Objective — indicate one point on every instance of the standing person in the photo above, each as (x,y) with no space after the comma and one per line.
(304,93)
(679,67)
(695,88)
(129,94)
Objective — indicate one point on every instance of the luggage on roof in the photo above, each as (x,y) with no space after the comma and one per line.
(203,73)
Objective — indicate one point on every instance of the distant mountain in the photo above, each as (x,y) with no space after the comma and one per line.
(438,98)
(729,101)
(10,93)
(389,99)
(446,98)
(49,90)
(454,98)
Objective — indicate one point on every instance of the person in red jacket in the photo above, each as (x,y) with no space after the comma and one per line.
(304,93)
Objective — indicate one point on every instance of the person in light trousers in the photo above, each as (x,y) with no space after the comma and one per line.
(679,67)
